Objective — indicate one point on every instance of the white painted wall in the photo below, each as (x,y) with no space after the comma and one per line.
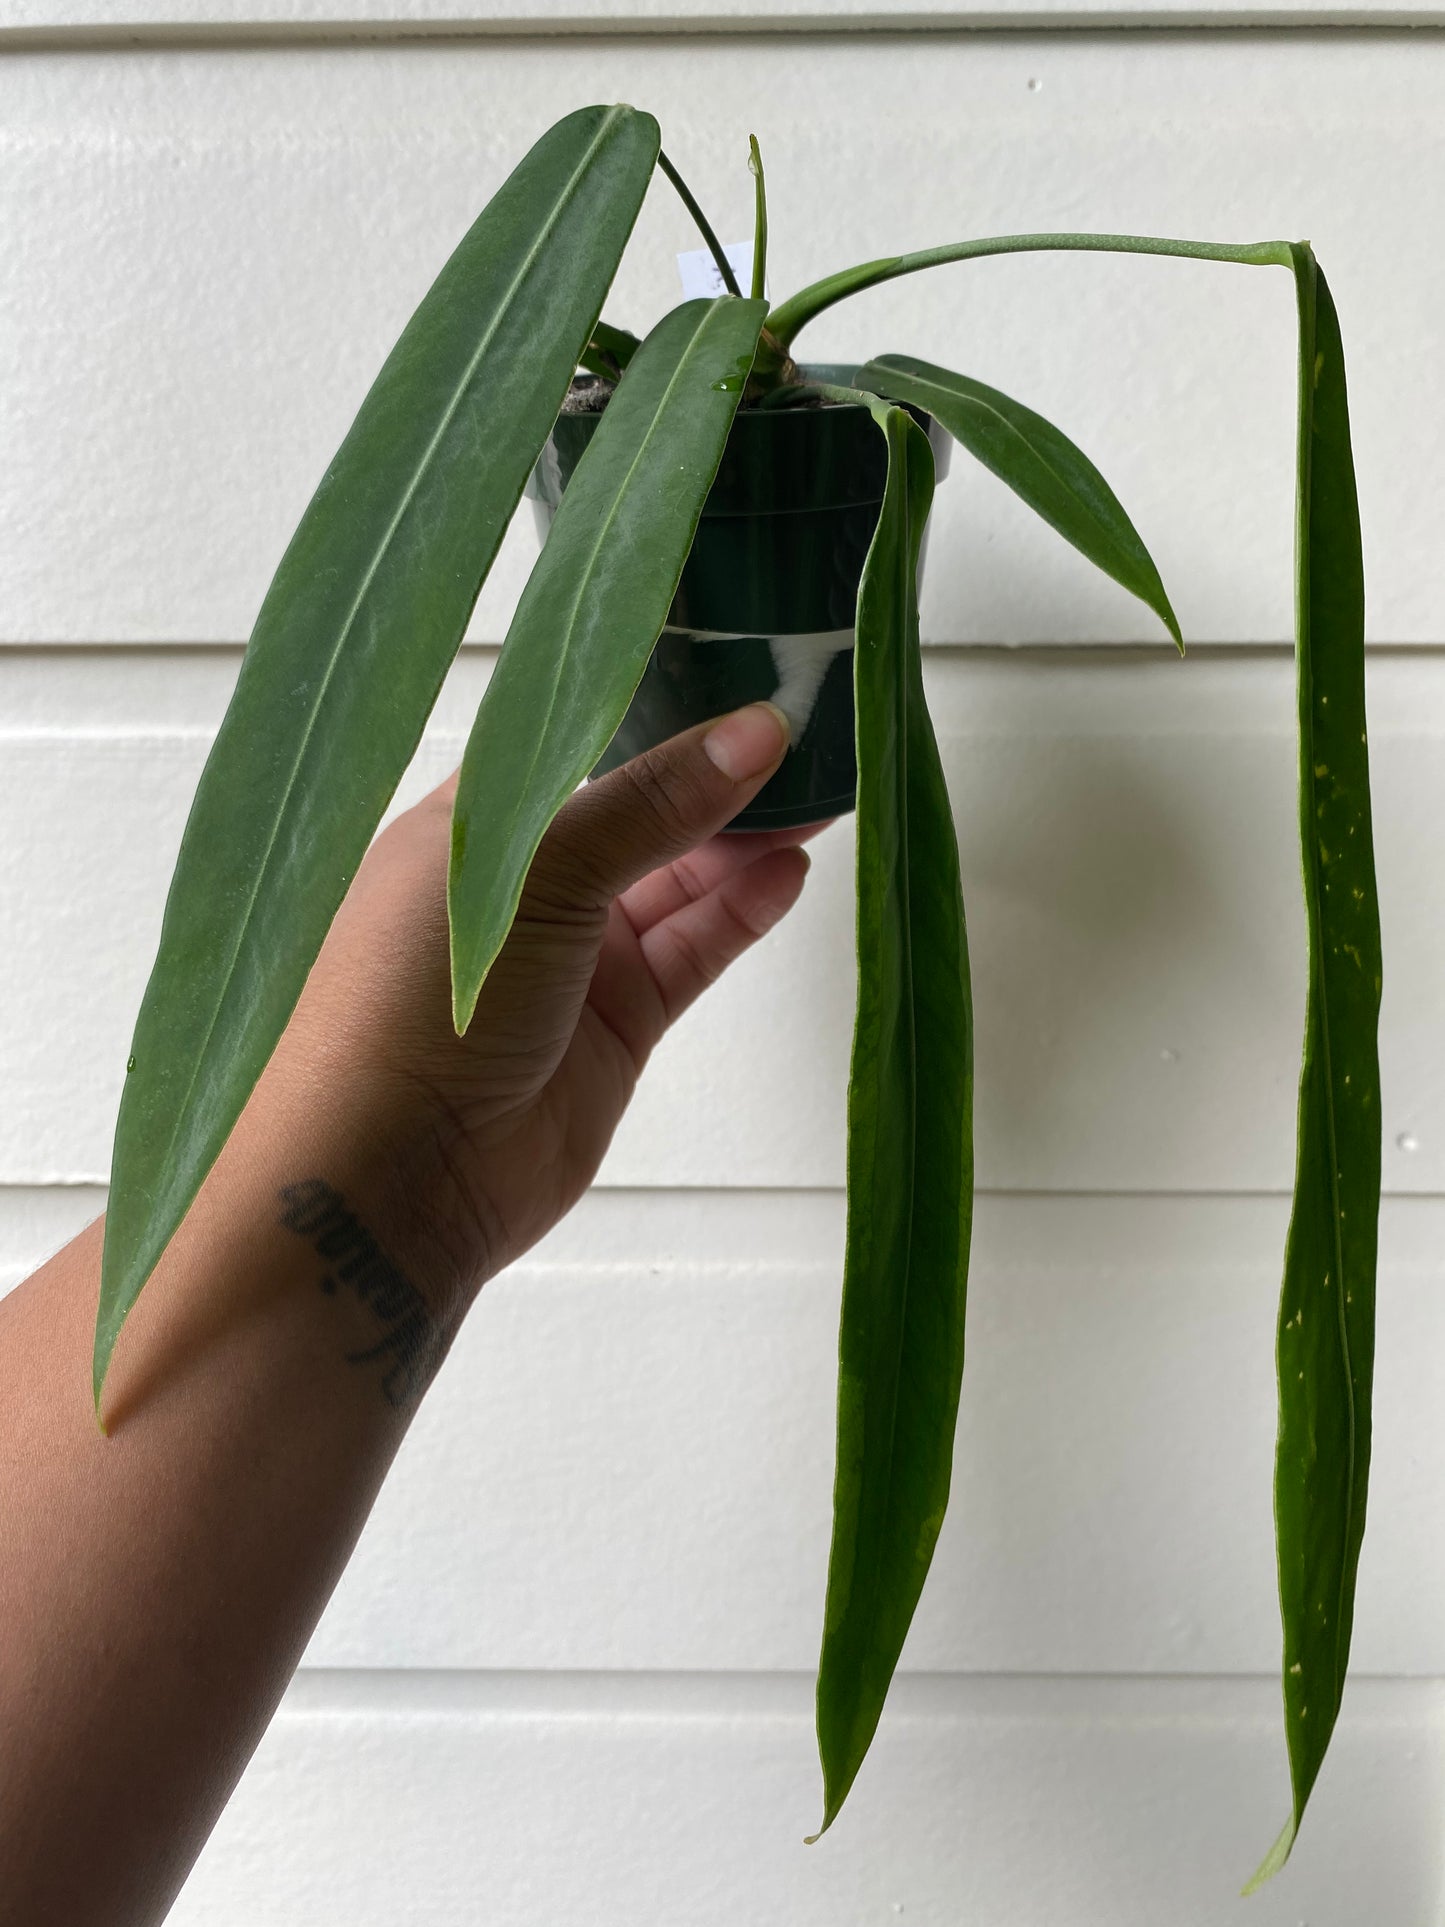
(565,1680)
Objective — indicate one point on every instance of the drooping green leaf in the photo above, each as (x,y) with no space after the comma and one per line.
(590,614)
(349,651)
(1326,1330)
(1327,1307)
(1039,463)
(910,1147)
(608,351)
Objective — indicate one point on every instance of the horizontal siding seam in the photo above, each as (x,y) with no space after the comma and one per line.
(1065,650)
(741,1192)
(462,1693)
(150,37)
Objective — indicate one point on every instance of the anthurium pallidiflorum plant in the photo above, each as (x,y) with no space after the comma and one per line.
(352,643)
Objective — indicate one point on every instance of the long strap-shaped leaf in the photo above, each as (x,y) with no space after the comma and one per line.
(590,614)
(1037,461)
(349,651)
(1327,1308)
(910,1147)
(1326,1335)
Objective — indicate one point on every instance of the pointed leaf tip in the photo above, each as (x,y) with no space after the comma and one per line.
(910,1147)
(1272,1862)
(1325,1362)
(1039,463)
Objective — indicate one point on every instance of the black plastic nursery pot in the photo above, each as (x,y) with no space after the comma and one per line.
(765,607)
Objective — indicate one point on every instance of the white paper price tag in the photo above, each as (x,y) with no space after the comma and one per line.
(699,273)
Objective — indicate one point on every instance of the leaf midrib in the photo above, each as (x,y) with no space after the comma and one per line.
(910,1002)
(906,894)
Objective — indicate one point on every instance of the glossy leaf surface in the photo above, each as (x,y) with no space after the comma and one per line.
(910,1147)
(349,650)
(590,614)
(1038,462)
(1327,1307)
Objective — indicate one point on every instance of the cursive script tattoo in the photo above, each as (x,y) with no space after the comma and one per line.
(413,1342)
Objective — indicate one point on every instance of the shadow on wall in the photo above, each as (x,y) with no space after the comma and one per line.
(1137,943)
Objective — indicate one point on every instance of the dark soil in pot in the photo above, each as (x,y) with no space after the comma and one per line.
(765,606)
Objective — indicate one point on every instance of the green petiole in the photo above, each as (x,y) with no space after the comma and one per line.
(786,321)
(714,246)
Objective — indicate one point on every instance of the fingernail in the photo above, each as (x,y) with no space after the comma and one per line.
(749,741)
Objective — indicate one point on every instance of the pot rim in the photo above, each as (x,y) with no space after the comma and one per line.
(778,461)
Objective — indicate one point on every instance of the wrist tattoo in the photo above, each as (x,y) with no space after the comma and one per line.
(413,1341)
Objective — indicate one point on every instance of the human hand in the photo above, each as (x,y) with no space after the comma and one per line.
(471,1148)
(158,1588)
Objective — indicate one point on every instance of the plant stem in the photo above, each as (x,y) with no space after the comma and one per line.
(785,321)
(724,266)
(760,218)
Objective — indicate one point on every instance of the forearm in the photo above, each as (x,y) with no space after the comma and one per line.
(157,1587)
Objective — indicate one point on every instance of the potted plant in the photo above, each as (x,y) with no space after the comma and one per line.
(766,520)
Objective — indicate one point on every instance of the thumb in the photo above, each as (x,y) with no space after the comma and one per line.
(632,821)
